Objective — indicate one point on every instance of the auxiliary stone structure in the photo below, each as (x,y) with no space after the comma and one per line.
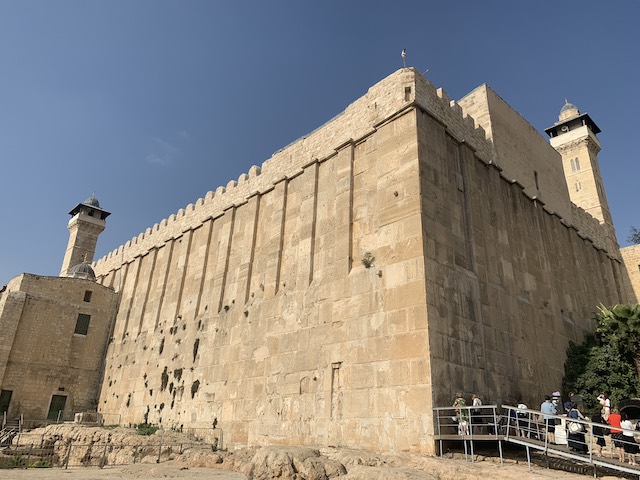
(54,331)
(411,247)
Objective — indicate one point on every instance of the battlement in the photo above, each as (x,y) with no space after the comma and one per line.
(399,92)
(402,90)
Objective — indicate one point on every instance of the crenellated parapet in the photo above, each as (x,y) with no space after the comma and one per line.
(590,228)
(401,91)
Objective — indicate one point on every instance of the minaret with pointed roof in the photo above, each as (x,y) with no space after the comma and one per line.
(574,137)
(87,222)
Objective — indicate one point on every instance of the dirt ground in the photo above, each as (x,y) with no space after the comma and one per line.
(129,472)
(137,456)
(443,469)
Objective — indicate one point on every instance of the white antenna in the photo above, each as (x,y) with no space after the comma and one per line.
(404,57)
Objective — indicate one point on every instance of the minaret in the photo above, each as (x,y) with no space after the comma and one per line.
(87,222)
(574,137)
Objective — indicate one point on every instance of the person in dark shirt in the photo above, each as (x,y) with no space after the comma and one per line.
(598,432)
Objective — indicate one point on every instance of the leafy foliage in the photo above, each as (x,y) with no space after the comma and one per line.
(146,429)
(620,327)
(606,361)
(634,235)
(17,461)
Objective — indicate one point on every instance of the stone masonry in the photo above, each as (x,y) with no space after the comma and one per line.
(357,279)
(41,355)
(631,259)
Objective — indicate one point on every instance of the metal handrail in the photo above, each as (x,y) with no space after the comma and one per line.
(482,423)
(523,426)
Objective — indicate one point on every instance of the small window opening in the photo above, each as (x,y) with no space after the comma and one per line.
(87,296)
(575,164)
(535,175)
(407,94)
(578,186)
(82,324)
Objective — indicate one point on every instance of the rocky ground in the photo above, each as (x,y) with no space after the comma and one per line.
(132,456)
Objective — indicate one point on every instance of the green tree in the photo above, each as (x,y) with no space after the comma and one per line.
(606,361)
(634,235)
(620,327)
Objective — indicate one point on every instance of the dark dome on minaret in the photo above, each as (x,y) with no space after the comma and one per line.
(568,110)
(92,201)
(82,270)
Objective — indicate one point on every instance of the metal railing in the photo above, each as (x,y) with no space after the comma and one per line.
(527,427)
(32,450)
(468,424)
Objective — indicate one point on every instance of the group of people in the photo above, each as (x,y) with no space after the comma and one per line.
(463,414)
(606,420)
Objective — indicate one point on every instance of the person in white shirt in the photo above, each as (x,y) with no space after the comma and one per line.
(603,398)
(476,414)
(630,445)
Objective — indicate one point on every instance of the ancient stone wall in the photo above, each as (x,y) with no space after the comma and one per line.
(589,227)
(522,153)
(295,317)
(41,355)
(337,294)
(631,259)
(508,283)
(357,121)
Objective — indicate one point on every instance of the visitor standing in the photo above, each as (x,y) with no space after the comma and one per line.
(548,409)
(575,430)
(598,432)
(462,414)
(630,445)
(476,413)
(523,419)
(616,434)
(603,398)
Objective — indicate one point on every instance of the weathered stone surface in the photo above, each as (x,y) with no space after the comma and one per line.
(360,277)
(370,270)
(631,259)
(308,463)
(292,463)
(41,355)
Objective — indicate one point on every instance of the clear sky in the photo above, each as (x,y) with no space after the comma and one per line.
(152,103)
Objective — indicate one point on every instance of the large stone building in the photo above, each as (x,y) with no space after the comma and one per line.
(411,247)
(54,331)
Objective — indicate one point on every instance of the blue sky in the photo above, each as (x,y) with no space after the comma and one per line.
(152,103)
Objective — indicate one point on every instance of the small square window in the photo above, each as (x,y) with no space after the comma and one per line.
(87,296)
(82,324)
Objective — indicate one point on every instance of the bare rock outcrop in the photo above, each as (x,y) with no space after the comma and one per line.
(293,463)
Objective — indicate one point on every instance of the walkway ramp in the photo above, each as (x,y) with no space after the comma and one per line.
(524,427)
